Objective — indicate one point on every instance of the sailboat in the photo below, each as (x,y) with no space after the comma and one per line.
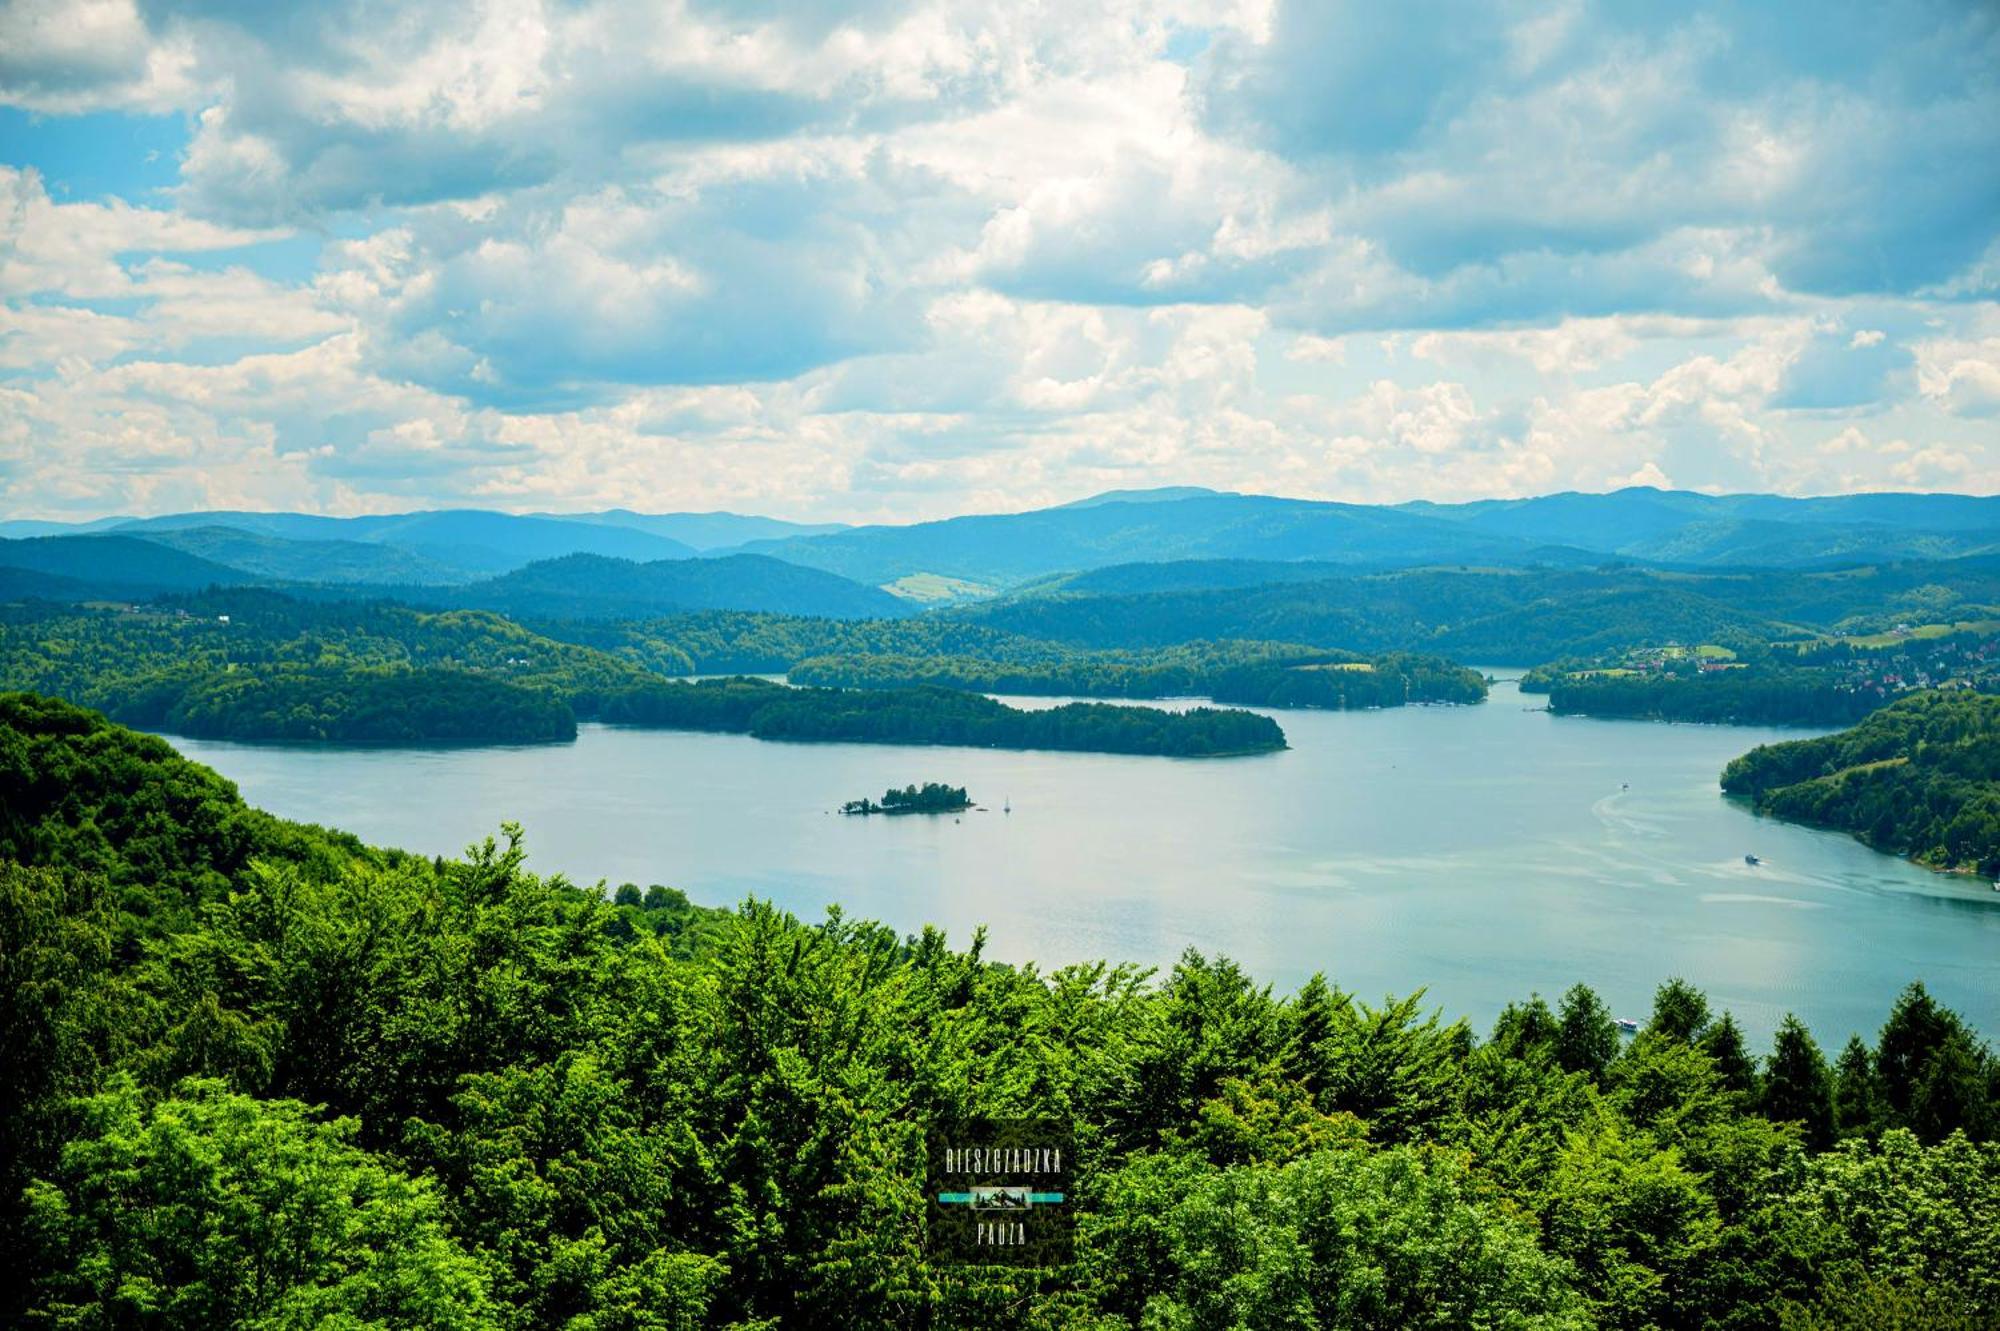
(1007,806)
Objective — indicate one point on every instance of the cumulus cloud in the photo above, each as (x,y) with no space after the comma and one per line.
(896,258)
(1963,378)
(65,56)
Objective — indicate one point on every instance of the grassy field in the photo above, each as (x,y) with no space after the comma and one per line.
(936,589)
(1921,632)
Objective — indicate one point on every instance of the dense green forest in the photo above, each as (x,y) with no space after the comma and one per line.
(746,642)
(352,706)
(1516,617)
(257,1074)
(1503,616)
(1920,777)
(257,665)
(956,651)
(332,669)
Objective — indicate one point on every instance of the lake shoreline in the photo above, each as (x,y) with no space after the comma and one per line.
(1484,852)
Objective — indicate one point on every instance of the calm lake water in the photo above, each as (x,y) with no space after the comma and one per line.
(1483,852)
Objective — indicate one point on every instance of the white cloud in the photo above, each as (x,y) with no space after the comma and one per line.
(1962,378)
(75,249)
(904,257)
(65,56)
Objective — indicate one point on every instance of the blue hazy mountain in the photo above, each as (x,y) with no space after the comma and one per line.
(1668,527)
(14,529)
(703,531)
(105,565)
(1164,494)
(277,559)
(122,566)
(1236,539)
(596,587)
(470,542)
(455,545)
(1685,527)
(1013,547)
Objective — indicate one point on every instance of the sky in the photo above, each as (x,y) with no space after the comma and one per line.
(891,260)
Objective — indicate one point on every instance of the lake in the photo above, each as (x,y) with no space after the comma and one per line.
(1482,852)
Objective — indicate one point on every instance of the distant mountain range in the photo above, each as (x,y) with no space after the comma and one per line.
(620,562)
(1005,549)
(703,531)
(1643,525)
(433,547)
(1682,527)
(115,566)
(469,543)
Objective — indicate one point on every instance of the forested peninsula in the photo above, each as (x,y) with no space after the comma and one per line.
(249,664)
(1248,673)
(1816,681)
(1738,697)
(1920,777)
(938,716)
(254,1073)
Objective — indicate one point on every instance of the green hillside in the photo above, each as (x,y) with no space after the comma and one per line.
(1920,778)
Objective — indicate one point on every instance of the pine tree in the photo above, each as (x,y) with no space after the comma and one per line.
(1797,1088)
(1523,1030)
(1723,1042)
(1857,1099)
(1917,1028)
(1680,1011)
(1586,1033)
(1312,1020)
(1952,1095)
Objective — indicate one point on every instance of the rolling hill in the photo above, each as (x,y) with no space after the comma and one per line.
(277,559)
(1495,615)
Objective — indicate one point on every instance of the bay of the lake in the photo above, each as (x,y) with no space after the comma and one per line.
(1480,852)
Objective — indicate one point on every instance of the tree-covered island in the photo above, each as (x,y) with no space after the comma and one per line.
(931,797)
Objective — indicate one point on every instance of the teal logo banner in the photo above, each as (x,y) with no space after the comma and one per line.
(999,1192)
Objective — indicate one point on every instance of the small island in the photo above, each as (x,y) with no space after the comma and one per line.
(931,797)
